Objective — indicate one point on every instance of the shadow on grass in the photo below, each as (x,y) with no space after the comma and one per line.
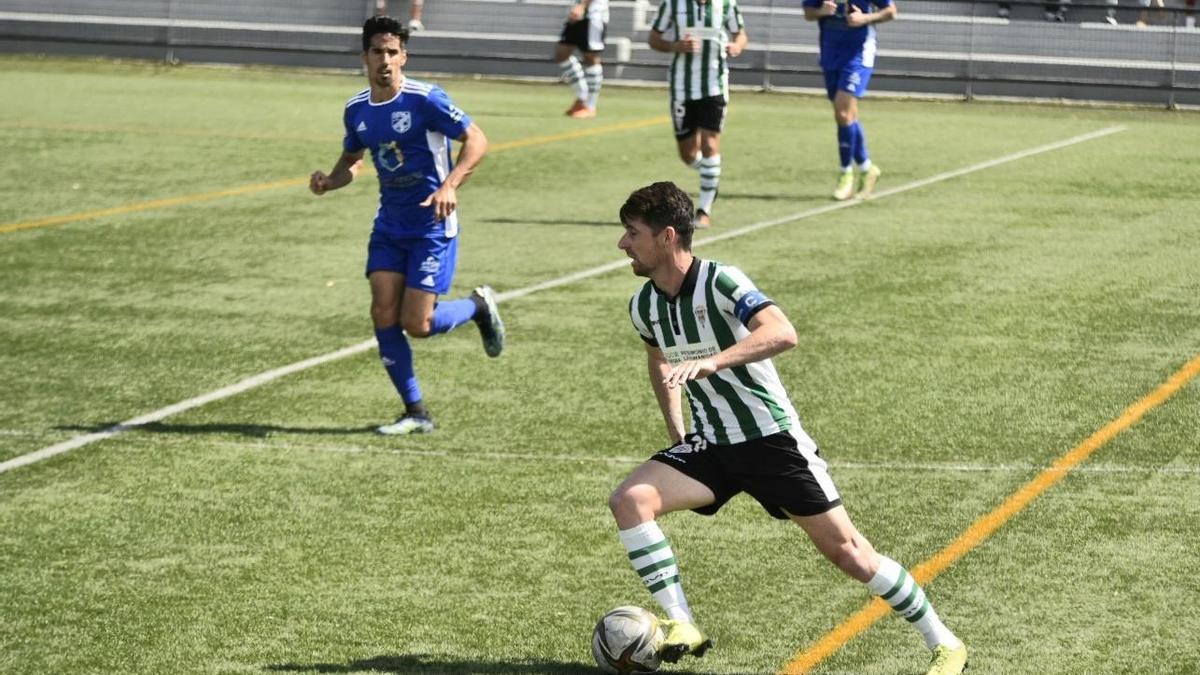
(253,430)
(423,663)
(614,223)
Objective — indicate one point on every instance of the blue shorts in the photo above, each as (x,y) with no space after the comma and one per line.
(852,78)
(427,264)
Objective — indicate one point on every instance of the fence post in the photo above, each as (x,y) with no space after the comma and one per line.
(968,91)
(170,55)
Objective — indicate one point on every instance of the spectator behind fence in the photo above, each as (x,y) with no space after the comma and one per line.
(1057,12)
(1144,15)
(415,8)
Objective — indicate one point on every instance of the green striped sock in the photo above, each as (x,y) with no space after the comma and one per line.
(652,558)
(899,589)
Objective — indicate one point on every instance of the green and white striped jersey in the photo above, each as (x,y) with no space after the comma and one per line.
(709,315)
(706,73)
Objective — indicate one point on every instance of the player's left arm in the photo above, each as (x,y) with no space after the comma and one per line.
(855,17)
(474,146)
(770,333)
(736,26)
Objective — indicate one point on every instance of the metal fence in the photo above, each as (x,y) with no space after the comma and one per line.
(1105,49)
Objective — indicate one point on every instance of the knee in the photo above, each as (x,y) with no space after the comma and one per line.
(633,504)
(417,327)
(857,559)
(844,117)
(383,315)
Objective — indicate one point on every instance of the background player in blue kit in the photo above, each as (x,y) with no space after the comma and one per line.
(408,126)
(847,59)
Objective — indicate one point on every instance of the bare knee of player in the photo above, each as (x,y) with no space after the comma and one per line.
(856,557)
(689,150)
(634,503)
(383,313)
(710,143)
(417,325)
(845,112)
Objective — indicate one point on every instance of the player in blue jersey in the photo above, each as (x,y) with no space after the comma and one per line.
(847,59)
(408,125)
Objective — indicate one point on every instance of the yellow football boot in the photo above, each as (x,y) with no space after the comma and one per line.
(682,637)
(948,660)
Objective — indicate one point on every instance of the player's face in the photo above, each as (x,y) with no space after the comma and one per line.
(643,246)
(384,59)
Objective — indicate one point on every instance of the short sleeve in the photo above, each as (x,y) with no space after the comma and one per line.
(445,117)
(733,18)
(350,141)
(663,21)
(639,321)
(737,296)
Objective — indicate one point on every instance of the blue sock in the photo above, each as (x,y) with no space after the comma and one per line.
(846,138)
(860,144)
(450,315)
(397,360)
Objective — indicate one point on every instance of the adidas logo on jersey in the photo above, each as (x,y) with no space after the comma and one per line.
(362,126)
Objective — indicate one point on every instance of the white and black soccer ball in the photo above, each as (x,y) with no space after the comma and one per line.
(627,640)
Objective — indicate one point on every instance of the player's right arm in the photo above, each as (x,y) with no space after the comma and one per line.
(659,43)
(670,401)
(814,11)
(578,11)
(344,171)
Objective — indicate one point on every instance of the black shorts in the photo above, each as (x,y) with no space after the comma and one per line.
(585,35)
(706,113)
(773,470)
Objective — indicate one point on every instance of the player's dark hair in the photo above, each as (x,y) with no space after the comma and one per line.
(660,206)
(377,25)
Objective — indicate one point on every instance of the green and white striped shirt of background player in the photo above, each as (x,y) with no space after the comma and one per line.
(710,314)
(706,73)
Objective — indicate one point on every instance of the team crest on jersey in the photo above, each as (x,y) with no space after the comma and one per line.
(401,121)
(389,156)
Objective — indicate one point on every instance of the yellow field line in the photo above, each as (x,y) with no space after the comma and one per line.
(983,528)
(293,182)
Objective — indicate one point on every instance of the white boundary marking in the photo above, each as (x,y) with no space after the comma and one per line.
(272,375)
(835,466)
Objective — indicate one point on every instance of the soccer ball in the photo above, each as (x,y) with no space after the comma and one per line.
(627,640)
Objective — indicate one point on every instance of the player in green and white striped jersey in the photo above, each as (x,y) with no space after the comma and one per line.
(709,330)
(701,34)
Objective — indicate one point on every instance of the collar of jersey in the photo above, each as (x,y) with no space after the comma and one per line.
(398,92)
(689,282)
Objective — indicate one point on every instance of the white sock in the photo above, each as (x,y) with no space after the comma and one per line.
(594,76)
(710,180)
(696,161)
(865,166)
(652,558)
(896,586)
(572,74)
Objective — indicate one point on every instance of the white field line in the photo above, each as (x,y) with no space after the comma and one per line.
(272,375)
(835,466)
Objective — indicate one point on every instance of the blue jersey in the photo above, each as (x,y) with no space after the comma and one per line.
(840,43)
(409,140)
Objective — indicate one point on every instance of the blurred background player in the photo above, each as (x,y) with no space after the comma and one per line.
(701,34)
(708,330)
(584,30)
(847,58)
(415,8)
(411,256)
